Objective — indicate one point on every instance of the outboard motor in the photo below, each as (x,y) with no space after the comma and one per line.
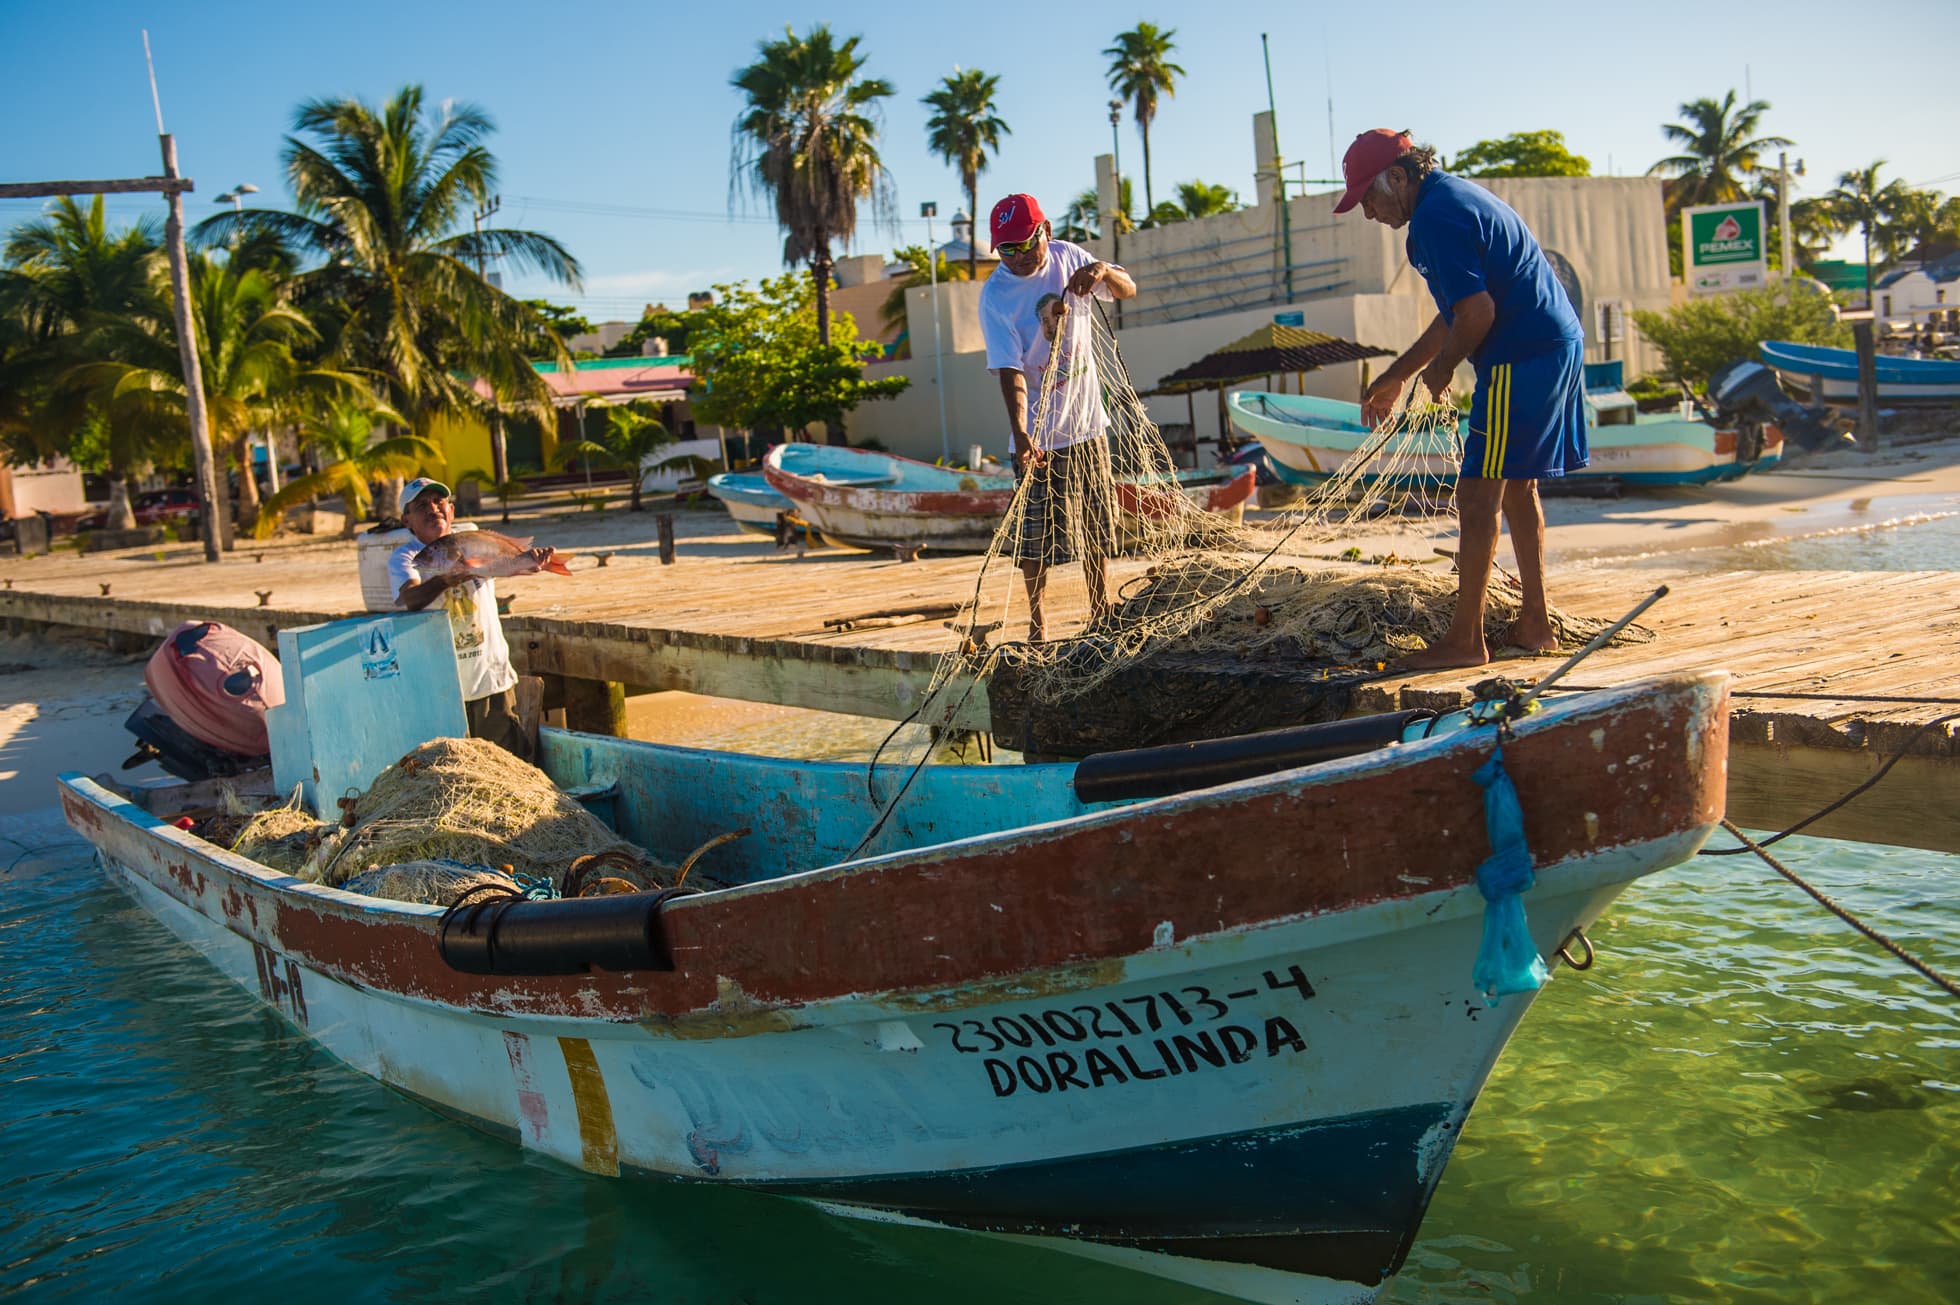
(210,687)
(1746,394)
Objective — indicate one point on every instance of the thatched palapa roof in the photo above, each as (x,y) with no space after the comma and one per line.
(1268,351)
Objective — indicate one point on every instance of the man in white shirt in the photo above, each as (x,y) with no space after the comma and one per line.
(483,666)
(1026,319)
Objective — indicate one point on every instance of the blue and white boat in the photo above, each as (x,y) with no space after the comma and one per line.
(750,500)
(1227,1035)
(1831,375)
(1307,440)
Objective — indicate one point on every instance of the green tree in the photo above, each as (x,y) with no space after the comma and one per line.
(1083,219)
(660,321)
(1199,200)
(1522,154)
(1718,148)
(762,364)
(348,435)
(246,338)
(808,139)
(919,272)
(628,436)
(1164,215)
(1921,218)
(68,279)
(383,199)
(1859,200)
(1140,71)
(1703,335)
(962,129)
(504,490)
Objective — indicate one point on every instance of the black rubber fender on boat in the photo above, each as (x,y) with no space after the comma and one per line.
(1139,773)
(570,935)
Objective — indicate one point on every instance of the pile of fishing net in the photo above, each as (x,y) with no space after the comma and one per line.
(455,801)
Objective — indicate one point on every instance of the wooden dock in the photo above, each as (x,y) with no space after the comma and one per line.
(1835,671)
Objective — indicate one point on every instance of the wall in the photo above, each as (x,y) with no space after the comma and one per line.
(43,487)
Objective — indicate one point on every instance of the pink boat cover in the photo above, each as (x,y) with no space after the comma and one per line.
(217,684)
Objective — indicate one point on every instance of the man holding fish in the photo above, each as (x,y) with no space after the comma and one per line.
(459,567)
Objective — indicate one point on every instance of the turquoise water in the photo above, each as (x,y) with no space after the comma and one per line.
(1930,544)
(1743,1102)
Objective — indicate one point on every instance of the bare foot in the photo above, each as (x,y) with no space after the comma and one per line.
(1532,636)
(1443,657)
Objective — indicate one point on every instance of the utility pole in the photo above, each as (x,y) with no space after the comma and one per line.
(499,453)
(1783,211)
(929,211)
(1116,188)
(1279,176)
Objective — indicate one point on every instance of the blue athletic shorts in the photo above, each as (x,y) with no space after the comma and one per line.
(1528,419)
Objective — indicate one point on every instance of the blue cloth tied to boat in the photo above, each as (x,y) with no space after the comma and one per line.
(1507,960)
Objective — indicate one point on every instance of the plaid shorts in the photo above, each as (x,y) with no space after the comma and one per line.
(1071,507)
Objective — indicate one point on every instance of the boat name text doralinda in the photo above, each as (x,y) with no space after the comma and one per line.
(1119,1020)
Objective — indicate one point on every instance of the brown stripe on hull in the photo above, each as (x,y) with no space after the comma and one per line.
(1634,769)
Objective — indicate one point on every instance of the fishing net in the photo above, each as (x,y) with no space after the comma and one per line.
(1168,573)
(469,801)
(280,838)
(431,883)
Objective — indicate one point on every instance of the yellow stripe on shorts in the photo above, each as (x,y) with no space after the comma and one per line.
(1497,421)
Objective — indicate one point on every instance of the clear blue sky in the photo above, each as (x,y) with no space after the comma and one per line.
(613,119)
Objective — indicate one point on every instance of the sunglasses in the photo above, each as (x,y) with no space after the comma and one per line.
(1015,248)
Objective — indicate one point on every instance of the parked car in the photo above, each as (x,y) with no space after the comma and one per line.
(152,507)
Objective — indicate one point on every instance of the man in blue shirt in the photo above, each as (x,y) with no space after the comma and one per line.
(1501,308)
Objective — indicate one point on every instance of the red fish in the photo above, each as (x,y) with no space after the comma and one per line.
(483,554)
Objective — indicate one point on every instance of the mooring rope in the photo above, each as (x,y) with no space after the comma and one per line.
(1824,900)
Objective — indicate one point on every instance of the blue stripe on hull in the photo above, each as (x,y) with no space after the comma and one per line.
(1341,1198)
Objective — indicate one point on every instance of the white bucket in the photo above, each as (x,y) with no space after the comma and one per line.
(974,455)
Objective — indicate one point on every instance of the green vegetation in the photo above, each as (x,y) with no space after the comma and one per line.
(892,313)
(1703,335)
(630,433)
(349,438)
(963,127)
(503,490)
(763,364)
(1140,70)
(1198,200)
(1522,154)
(1718,148)
(808,140)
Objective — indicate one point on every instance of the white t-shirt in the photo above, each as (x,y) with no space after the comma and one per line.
(482,657)
(1017,325)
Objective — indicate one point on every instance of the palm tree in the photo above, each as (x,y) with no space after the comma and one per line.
(1084,214)
(1859,201)
(1199,200)
(1140,70)
(1813,226)
(383,198)
(892,313)
(1719,146)
(962,129)
(246,337)
(348,436)
(626,440)
(504,490)
(808,139)
(69,276)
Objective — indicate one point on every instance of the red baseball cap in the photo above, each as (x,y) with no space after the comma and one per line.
(1365,160)
(1015,218)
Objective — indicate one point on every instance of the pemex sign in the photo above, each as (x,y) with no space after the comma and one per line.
(1723,247)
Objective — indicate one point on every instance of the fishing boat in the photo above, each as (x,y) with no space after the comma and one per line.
(750,500)
(875,500)
(1226,1035)
(1307,440)
(1832,374)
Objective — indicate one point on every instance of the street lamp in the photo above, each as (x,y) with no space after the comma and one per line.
(236,196)
(929,211)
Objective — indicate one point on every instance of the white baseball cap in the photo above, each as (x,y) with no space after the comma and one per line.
(413,490)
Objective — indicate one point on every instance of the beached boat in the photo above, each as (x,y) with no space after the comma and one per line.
(1807,367)
(750,499)
(1307,439)
(874,500)
(1227,1036)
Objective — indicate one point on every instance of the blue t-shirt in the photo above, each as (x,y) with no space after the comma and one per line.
(1464,239)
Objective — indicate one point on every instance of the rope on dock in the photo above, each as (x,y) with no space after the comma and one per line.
(1823,899)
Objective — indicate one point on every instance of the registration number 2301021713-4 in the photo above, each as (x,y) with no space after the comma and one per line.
(1134,1039)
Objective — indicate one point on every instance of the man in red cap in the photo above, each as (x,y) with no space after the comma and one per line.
(1501,308)
(1070,506)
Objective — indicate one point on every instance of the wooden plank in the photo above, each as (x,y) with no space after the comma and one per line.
(118,186)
